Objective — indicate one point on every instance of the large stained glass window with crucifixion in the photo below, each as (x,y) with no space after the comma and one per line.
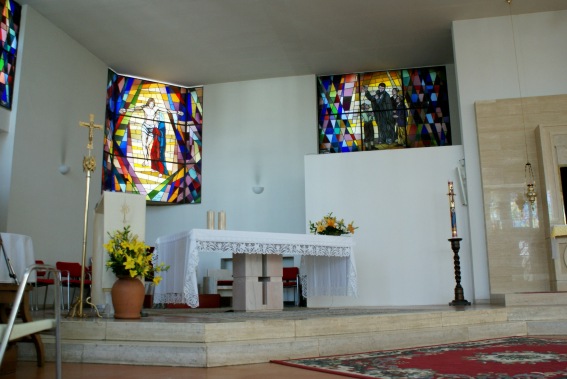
(152,142)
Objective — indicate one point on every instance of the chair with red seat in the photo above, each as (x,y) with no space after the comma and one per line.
(219,281)
(42,280)
(71,278)
(290,279)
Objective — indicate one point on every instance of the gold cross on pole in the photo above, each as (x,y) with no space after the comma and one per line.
(91,125)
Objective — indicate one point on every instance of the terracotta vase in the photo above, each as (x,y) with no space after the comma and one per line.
(128,298)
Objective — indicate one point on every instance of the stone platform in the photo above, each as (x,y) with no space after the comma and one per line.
(211,338)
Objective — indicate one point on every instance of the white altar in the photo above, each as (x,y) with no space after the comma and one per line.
(327,262)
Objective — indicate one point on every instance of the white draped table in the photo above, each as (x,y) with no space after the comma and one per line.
(327,262)
(19,249)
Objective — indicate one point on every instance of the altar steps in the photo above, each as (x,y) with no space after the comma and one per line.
(544,312)
(535,298)
(210,339)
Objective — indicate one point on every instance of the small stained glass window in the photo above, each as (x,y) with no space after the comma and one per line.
(383,110)
(9,27)
(152,143)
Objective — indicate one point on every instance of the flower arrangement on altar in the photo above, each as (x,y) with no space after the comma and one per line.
(330,226)
(129,257)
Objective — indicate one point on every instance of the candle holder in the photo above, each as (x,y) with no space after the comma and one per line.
(459,295)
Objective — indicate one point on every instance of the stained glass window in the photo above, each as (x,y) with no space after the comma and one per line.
(11,12)
(383,110)
(152,142)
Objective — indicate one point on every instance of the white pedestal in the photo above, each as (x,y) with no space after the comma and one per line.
(257,282)
(114,211)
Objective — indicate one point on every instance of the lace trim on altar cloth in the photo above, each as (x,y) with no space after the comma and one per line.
(270,243)
(176,298)
(272,248)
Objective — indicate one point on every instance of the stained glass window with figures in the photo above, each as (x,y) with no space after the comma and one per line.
(9,29)
(383,110)
(152,143)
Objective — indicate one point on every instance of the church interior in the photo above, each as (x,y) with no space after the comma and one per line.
(257,64)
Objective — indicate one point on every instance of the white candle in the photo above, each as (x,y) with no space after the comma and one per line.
(210,220)
(222,220)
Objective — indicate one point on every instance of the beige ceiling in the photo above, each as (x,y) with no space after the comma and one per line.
(197,42)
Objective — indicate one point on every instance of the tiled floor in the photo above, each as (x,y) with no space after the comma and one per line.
(29,370)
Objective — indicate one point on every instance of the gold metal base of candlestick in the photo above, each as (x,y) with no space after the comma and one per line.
(77,311)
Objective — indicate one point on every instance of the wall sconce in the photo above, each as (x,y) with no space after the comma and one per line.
(257,189)
(64,169)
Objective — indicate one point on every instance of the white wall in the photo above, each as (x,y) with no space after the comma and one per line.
(60,84)
(254,133)
(486,69)
(7,121)
(398,198)
(6,150)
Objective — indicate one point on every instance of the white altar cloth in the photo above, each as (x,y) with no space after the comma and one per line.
(19,249)
(327,262)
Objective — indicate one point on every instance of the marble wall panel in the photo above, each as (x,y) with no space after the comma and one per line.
(517,251)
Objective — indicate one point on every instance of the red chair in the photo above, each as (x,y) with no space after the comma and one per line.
(71,277)
(43,280)
(290,279)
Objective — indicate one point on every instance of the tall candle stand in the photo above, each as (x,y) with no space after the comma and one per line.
(455,246)
(459,295)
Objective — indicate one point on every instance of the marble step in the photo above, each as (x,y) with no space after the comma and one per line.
(535,298)
(245,339)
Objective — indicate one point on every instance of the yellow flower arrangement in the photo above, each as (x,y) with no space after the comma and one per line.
(329,225)
(130,257)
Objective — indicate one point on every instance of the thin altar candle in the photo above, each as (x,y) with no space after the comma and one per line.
(210,219)
(452,211)
(222,220)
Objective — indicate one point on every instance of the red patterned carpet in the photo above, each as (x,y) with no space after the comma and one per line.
(512,357)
